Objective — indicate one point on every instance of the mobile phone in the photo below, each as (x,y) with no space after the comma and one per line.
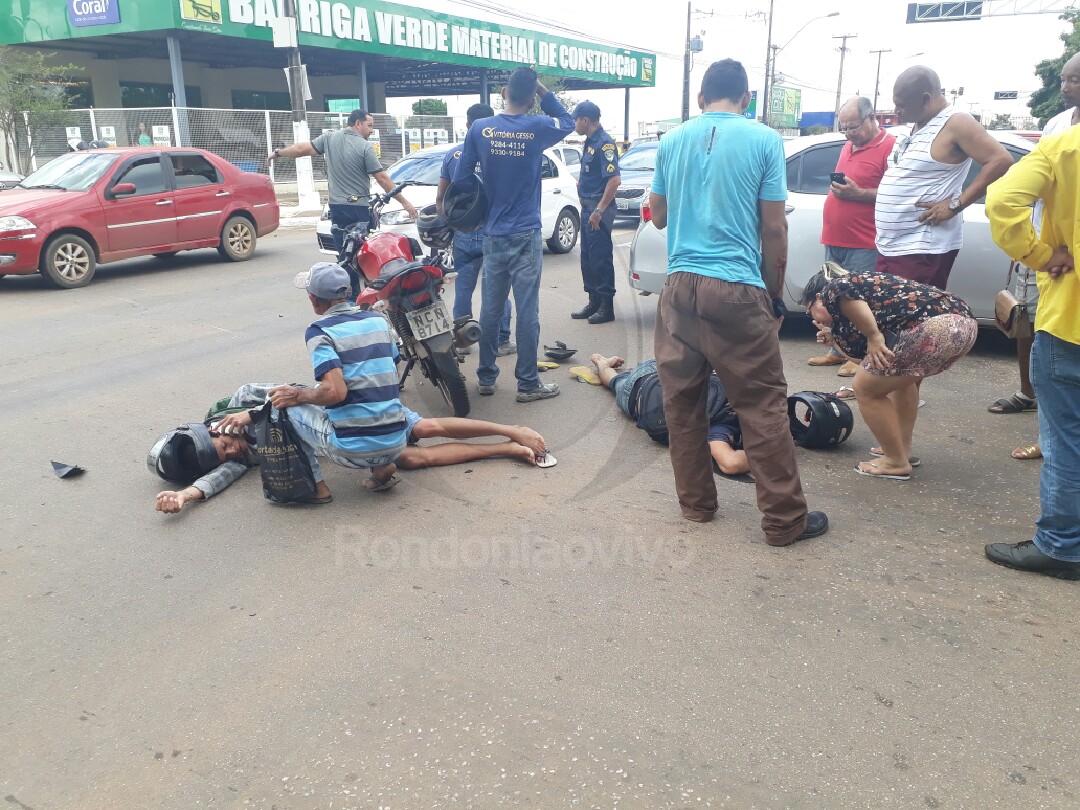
(890,338)
(837,177)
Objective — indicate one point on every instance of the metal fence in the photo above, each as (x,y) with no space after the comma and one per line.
(243,137)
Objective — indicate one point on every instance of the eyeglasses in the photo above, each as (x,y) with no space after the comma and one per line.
(854,127)
(900,148)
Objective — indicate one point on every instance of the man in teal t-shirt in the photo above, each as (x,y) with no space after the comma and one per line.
(719,187)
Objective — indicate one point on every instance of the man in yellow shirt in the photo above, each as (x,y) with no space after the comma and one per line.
(1051,173)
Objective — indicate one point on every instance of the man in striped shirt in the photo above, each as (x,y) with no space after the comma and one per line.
(362,423)
(917,212)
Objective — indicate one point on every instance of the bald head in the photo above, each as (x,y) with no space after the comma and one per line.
(857,121)
(917,95)
(1070,81)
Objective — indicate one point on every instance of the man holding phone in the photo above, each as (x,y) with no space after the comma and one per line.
(847,229)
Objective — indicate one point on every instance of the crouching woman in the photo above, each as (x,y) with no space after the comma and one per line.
(901,332)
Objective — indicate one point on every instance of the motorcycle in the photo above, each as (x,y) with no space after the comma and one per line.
(406,286)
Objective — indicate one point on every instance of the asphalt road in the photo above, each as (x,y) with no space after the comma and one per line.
(492,634)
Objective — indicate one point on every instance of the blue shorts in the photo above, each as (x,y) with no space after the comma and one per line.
(728,432)
(623,384)
(411,418)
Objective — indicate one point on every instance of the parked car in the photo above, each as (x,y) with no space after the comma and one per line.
(570,155)
(89,208)
(636,168)
(977,276)
(560,214)
(8,179)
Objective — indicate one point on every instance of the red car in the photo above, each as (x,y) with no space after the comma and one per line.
(88,208)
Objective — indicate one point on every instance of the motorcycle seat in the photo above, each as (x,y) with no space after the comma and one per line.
(394,269)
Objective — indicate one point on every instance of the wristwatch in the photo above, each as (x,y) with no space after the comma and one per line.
(277,153)
(956,206)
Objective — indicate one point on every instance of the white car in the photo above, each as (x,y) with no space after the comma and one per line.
(570,155)
(977,276)
(560,214)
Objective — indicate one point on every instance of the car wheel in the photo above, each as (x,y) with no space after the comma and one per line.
(167,255)
(566,232)
(237,240)
(68,262)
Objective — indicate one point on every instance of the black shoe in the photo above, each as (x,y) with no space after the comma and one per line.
(1026,557)
(587,310)
(605,313)
(817,523)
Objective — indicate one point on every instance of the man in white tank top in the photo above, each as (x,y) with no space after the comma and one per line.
(917,213)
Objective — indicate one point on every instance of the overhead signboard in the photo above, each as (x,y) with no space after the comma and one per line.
(785,108)
(1006,95)
(374,27)
(944,12)
(751,111)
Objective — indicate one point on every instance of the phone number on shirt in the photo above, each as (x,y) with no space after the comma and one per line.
(508,149)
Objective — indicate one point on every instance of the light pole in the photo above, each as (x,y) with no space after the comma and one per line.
(877,76)
(691,46)
(770,63)
(840,80)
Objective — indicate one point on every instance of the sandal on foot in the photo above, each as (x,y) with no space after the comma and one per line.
(584,374)
(845,392)
(890,476)
(849,369)
(914,461)
(1017,403)
(545,460)
(389,483)
(1027,453)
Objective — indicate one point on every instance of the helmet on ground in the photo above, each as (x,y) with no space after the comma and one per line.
(433,229)
(818,419)
(466,204)
(183,454)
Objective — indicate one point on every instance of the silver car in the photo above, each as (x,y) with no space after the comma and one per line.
(636,167)
(977,276)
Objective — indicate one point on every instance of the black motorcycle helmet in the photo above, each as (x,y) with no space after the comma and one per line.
(433,229)
(823,420)
(466,204)
(183,454)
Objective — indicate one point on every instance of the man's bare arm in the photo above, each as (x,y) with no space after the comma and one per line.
(294,151)
(980,146)
(774,245)
(383,179)
(658,209)
(444,184)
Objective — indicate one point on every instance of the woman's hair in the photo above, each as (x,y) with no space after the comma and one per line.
(830,271)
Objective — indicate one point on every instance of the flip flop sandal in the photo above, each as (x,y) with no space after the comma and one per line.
(890,476)
(845,392)
(584,374)
(389,483)
(545,460)
(544,365)
(1029,453)
(914,461)
(846,370)
(1017,403)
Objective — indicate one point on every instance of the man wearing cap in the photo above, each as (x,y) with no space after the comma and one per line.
(596,189)
(361,424)
(351,164)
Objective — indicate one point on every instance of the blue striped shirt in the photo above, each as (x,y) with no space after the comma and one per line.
(370,420)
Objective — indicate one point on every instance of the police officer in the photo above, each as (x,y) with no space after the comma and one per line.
(597,183)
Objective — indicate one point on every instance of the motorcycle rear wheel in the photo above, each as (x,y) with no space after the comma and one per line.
(445,372)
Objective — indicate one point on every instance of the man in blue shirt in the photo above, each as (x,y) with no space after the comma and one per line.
(469,247)
(362,423)
(510,149)
(719,188)
(597,184)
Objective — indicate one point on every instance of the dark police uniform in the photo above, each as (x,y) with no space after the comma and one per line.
(599,164)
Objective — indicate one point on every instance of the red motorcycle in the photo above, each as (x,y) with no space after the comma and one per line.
(406,286)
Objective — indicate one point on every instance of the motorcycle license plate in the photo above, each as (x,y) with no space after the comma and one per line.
(430,321)
(622,205)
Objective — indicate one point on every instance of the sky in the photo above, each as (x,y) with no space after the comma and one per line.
(982,56)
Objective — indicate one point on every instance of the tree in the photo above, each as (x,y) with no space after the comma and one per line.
(1001,121)
(1046,102)
(32,99)
(429,106)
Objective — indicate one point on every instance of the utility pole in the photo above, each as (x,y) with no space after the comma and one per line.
(767,101)
(305,177)
(686,69)
(877,77)
(840,80)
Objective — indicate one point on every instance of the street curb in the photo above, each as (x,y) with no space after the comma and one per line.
(298,222)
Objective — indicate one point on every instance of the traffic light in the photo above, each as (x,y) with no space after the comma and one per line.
(960,92)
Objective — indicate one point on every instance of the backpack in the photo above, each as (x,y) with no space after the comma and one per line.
(221,408)
(648,402)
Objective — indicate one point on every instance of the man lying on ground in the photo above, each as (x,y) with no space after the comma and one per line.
(214,454)
(724,436)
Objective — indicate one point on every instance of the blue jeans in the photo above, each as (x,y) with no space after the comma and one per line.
(511,263)
(1055,373)
(343,217)
(854,260)
(468,263)
(316,434)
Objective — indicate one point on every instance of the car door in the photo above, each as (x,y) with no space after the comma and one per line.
(145,219)
(200,196)
(571,158)
(808,182)
(554,196)
(981,268)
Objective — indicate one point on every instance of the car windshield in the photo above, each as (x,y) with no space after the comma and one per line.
(643,158)
(421,169)
(75,172)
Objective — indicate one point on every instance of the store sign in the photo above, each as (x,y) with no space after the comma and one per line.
(406,31)
(93,12)
(785,108)
(162,136)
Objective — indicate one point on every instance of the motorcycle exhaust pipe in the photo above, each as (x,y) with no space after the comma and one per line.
(466,334)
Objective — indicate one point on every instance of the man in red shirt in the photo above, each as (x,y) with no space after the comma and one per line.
(847,227)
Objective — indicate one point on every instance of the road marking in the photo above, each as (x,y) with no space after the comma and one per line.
(222,330)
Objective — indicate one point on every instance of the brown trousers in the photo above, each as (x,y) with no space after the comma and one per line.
(704,324)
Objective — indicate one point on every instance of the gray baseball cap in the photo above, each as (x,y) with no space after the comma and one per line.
(326,281)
